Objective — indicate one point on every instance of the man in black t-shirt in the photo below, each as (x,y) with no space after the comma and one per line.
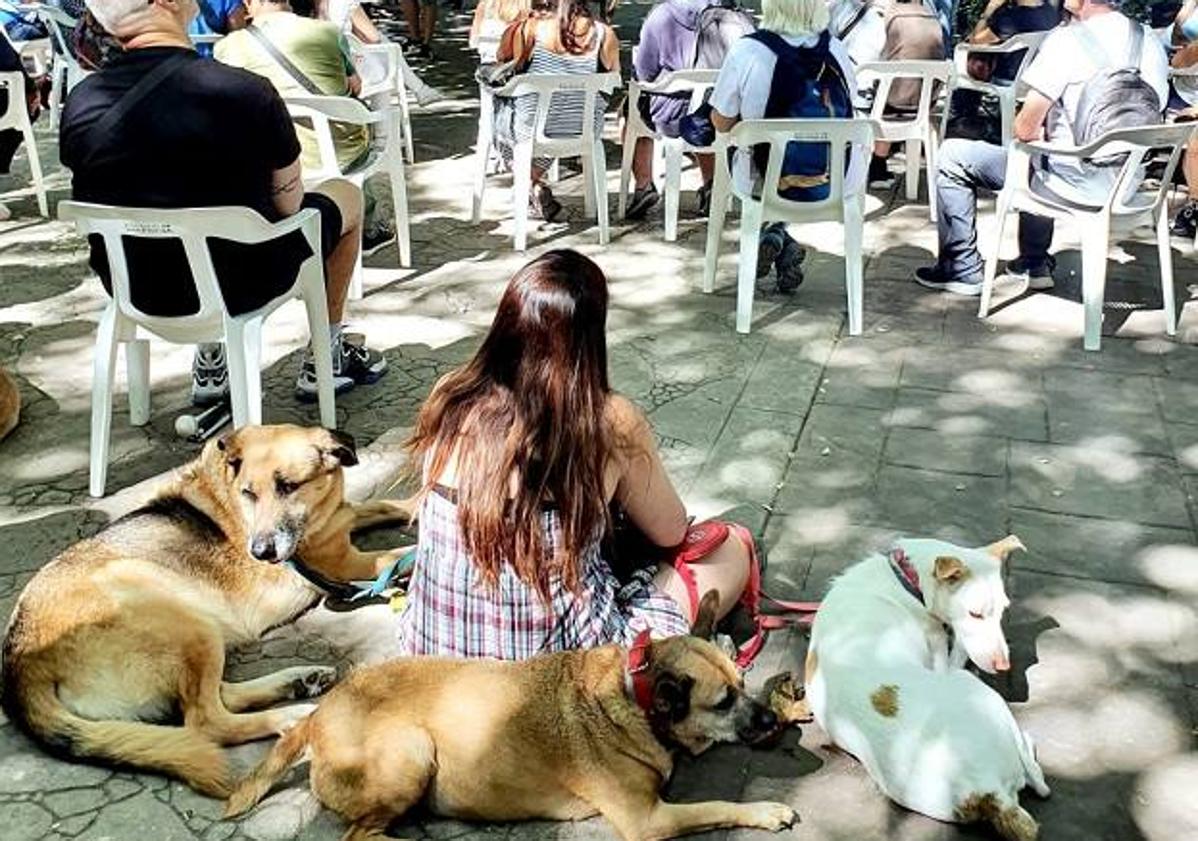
(205,135)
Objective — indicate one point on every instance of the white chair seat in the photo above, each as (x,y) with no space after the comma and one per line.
(694,82)
(916,129)
(848,208)
(1127,206)
(241,334)
(385,156)
(587,145)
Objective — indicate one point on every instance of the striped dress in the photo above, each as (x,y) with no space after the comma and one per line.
(450,613)
(515,118)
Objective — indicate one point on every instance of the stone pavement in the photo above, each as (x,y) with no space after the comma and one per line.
(932,423)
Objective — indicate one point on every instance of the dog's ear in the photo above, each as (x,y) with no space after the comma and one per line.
(709,608)
(340,446)
(1002,548)
(949,570)
(229,446)
(672,696)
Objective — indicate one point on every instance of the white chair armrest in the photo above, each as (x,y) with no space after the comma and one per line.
(680,81)
(342,109)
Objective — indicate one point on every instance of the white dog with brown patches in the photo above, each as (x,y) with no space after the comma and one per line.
(885,681)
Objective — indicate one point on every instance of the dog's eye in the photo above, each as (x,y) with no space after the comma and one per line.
(973,614)
(284,488)
(249,494)
(724,703)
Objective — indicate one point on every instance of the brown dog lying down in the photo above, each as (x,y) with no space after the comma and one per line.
(128,629)
(10,403)
(562,736)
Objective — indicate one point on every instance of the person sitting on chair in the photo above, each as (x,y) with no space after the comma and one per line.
(11,138)
(179,117)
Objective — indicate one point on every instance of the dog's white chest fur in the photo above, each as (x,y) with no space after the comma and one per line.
(935,739)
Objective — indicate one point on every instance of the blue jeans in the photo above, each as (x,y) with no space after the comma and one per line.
(964,166)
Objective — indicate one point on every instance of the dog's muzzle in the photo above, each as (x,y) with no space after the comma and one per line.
(759,723)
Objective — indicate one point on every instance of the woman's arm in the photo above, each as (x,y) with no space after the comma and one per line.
(609,51)
(644,489)
(363,27)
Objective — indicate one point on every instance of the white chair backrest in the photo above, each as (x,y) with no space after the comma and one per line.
(198,38)
(320,111)
(886,73)
(697,82)
(58,24)
(545,85)
(377,64)
(841,135)
(1030,41)
(14,82)
(193,227)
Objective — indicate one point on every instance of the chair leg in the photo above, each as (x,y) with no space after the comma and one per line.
(913,170)
(1095,245)
(554,173)
(103,371)
(482,154)
(746,278)
(1165,258)
(356,289)
(991,265)
(244,376)
(521,186)
(599,176)
(405,120)
(854,232)
(137,366)
(318,339)
(720,189)
(35,169)
(932,150)
(399,201)
(627,153)
(1006,104)
(950,88)
(588,183)
(673,189)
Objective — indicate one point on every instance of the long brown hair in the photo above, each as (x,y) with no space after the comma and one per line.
(528,413)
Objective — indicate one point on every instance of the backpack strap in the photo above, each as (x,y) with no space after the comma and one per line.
(856,19)
(283,62)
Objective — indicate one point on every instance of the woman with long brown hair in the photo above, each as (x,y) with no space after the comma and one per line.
(522,450)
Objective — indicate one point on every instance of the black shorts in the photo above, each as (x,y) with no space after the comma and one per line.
(160,280)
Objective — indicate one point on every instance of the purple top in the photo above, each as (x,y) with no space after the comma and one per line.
(668,39)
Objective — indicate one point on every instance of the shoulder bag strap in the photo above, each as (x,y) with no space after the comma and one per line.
(144,87)
(856,19)
(282,60)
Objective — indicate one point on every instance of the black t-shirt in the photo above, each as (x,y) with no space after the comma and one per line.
(207,135)
(1013,19)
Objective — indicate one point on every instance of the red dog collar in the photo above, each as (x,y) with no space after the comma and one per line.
(638,671)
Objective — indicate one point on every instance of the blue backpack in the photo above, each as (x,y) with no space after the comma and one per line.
(807,83)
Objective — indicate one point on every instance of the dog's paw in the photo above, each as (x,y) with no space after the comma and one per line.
(313,682)
(291,715)
(772,817)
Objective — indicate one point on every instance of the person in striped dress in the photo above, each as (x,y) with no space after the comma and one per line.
(523,450)
(557,37)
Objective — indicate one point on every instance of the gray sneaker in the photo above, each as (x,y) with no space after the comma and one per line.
(209,375)
(1041,278)
(789,267)
(643,199)
(353,364)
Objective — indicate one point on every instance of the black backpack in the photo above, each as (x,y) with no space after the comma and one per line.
(1116,96)
(718,27)
(807,83)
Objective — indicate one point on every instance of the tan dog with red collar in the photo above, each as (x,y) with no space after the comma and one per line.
(561,736)
(884,684)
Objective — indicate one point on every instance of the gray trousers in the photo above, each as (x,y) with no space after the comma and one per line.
(964,166)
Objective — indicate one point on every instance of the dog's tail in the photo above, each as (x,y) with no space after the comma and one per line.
(286,753)
(180,752)
(1027,755)
(1008,817)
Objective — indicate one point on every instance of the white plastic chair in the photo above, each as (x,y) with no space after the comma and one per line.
(66,71)
(38,54)
(390,89)
(695,82)
(1008,93)
(16,116)
(587,145)
(385,156)
(241,334)
(915,129)
(840,206)
(1126,207)
(199,38)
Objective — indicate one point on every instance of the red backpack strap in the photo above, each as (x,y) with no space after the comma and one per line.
(701,540)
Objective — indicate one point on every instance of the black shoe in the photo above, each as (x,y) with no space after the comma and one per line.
(643,198)
(353,365)
(789,267)
(704,200)
(542,204)
(768,248)
(880,176)
(376,238)
(1185,223)
(933,277)
(424,51)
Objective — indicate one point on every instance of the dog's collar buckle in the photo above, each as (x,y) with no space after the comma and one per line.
(638,670)
(905,572)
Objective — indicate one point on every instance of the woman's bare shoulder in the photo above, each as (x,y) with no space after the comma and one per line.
(625,418)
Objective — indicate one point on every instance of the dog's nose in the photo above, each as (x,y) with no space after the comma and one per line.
(263,548)
(1002,663)
(764,720)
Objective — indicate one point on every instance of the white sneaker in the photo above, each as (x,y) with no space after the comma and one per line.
(427,95)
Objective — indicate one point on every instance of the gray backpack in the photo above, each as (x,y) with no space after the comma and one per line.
(718,27)
(1116,96)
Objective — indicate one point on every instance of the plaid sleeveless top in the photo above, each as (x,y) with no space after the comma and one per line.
(449,612)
